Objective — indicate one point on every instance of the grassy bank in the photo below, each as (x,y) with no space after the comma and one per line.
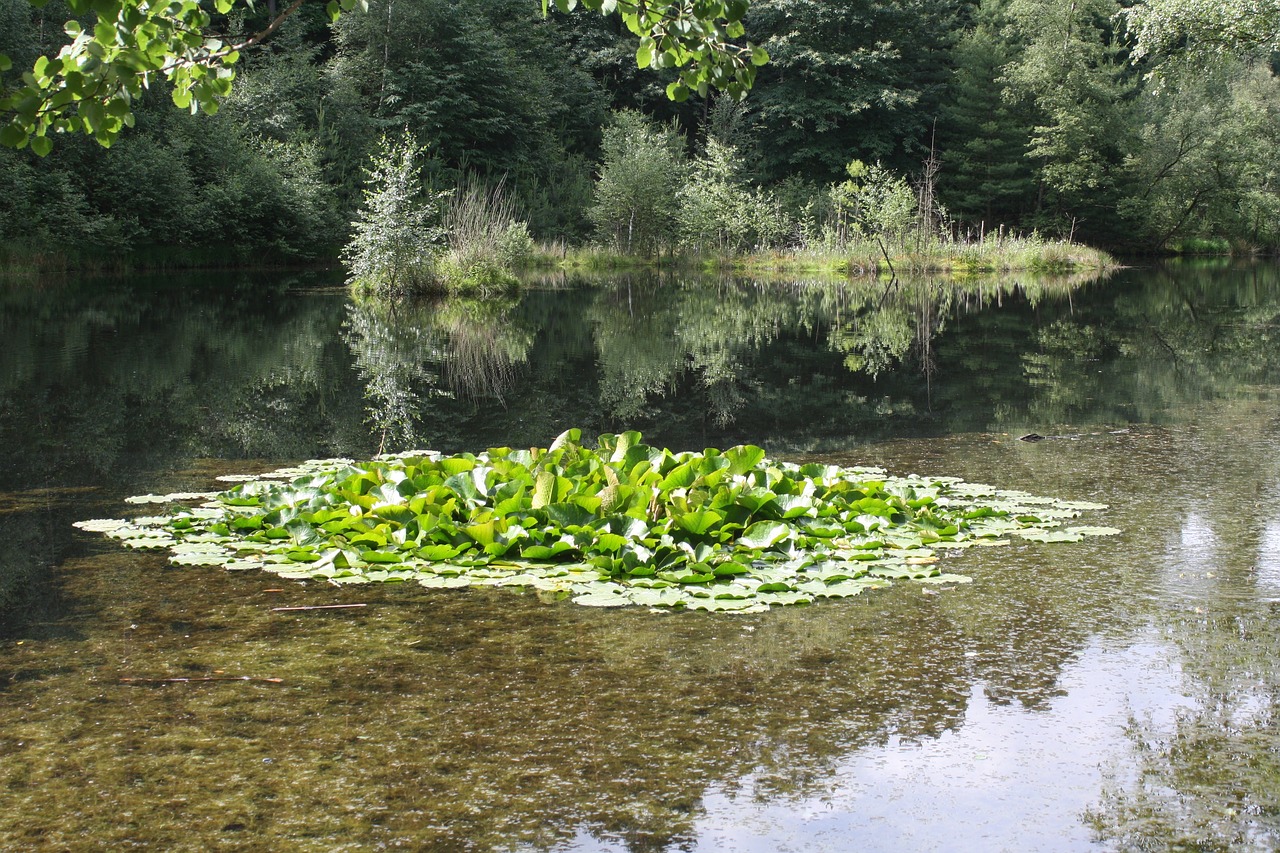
(865,258)
(465,269)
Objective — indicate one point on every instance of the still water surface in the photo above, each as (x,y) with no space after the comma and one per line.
(1118,693)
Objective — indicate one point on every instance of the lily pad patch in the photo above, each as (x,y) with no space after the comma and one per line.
(618,524)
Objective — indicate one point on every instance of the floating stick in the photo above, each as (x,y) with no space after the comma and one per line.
(198,679)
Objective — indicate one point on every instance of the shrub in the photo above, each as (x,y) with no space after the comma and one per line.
(720,212)
(875,202)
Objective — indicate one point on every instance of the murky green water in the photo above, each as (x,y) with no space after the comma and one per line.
(1114,694)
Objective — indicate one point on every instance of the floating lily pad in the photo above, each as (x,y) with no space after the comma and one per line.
(150,542)
(622,524)
(175,497)
(1041,535)
(102,525)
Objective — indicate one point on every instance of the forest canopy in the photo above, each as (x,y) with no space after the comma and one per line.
(1143,126)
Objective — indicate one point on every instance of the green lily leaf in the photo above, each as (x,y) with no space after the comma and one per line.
(699,522)
(763,534)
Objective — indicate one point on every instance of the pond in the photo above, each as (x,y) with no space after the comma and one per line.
(1118,693)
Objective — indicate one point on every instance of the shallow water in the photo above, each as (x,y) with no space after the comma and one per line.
(1118,693)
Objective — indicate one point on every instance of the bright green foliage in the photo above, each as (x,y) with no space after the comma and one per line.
(692,35)
(874,202)
(622,524)
(175,179)
(1250,213)
(642,170)
(717,211)
(1199,28)
(396,237)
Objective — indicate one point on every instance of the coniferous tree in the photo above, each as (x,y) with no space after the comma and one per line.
(986,176)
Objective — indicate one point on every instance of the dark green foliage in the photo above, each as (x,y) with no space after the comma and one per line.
(986,177)
(853,79)
(1071,75)
(181,180)
(1033,109)
(485,85)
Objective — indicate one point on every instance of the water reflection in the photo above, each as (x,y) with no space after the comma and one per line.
(412,356)
(688,361)
(1008,770)
(485,720)
(101,379)
(1209,779)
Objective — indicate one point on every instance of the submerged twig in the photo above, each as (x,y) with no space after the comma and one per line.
(200,679)
(318,607)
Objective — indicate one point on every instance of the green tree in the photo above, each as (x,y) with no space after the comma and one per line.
(874,202)
(484,82)
(1204,28)
(396,236)
(1071,73)
(642,170)
(986,175)
(856,78)
(716,210)
(1249,157)
(1205,162)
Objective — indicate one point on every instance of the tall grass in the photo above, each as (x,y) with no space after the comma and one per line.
(487,241)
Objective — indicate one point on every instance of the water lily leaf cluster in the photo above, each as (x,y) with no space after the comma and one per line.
(622,523)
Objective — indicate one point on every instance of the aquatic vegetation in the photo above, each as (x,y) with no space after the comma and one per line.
(621,524)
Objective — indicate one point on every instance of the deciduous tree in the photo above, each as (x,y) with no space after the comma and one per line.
(1201,28)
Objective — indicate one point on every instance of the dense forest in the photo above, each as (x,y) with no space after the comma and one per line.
(1001,114)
